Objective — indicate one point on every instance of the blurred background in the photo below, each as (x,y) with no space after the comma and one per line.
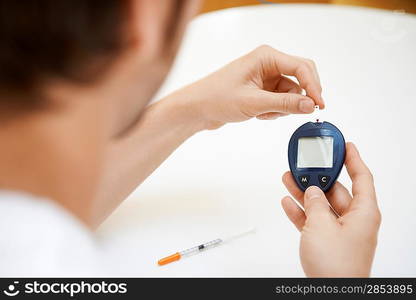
(406,5)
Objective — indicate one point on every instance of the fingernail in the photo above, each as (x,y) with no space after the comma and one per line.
(355,148)
(306,105)
(266,118)
(313,192)
(272,117)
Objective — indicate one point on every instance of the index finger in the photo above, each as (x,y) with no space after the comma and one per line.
(303,69)
(363,190)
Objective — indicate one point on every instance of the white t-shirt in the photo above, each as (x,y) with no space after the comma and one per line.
(39,238)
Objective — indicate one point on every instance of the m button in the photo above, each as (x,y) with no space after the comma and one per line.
(304,180)
(324,180)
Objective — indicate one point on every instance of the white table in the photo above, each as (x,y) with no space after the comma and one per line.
(224,180)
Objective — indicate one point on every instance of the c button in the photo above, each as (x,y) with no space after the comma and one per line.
(324,180)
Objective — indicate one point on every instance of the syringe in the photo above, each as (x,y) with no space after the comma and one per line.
(202,247)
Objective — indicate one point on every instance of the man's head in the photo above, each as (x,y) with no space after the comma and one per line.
(48,45)
(75,75)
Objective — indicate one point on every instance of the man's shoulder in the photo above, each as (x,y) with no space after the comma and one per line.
(39,238)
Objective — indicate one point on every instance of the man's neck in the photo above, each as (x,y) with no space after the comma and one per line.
(52,154)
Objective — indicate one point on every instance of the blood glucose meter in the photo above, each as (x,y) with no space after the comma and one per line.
(316,155)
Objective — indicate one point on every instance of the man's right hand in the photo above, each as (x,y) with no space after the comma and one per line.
(338,241)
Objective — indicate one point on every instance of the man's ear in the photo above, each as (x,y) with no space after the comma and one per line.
(147,25)
(157,26)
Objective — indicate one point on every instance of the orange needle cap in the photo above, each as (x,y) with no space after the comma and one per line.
(169,259)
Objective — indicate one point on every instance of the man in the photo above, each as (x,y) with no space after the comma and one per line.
(78,136)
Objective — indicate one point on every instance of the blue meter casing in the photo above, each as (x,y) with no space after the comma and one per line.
(316,155)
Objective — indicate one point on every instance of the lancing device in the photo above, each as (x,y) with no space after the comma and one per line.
(316,155)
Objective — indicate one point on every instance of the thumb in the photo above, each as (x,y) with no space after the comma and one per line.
(317,206)
(283,102)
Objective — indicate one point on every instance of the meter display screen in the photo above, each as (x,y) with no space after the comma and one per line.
(315,152)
